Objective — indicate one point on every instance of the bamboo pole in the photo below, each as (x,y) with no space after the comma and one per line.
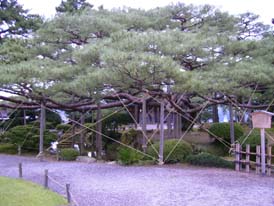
(144,124)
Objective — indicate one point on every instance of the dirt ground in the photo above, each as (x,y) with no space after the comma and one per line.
(104,184)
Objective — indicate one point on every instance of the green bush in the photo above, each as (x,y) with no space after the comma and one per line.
(111,151)
(28,136)
(8,148)
(222,130)
(68,154)
(128,156)
(209,160)
(253,139)
(214,149)
(179,154)
(130,137)
(63,127)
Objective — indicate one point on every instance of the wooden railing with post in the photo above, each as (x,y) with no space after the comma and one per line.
(243,160)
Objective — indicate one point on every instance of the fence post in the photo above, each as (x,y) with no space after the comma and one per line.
(237,154)
(46,179)
(269,156)
(20,170)
(258,159)
(68,193)
(247,158)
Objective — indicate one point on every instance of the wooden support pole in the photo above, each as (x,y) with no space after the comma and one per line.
(169,125)
(231,122)
(263,151)
(68,193)
(99,132)
(82,121)
(24,117)
(46,180)
(161,148)
(247,158)
(269,156)
(258,159)
(19,150)
(42,129)
(144,124)
(20,170)
(237,155)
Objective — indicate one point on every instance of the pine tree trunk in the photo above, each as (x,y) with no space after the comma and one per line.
(215,113)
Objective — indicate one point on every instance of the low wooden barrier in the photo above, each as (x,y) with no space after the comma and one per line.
(243,160)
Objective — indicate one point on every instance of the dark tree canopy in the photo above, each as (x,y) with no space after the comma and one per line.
(72,6)
(14,20)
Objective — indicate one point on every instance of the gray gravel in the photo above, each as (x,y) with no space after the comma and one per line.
(103,184)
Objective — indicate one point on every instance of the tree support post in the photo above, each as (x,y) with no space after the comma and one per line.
(99,132)
(42,129)
(82,121)
(144,124)
(263,168)
(162,131)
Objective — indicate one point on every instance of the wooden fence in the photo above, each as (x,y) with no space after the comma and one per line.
(243,160)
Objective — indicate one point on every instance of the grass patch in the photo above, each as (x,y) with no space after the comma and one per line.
(8,148)
(15,192)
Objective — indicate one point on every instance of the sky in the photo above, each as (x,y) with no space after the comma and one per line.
(264,8)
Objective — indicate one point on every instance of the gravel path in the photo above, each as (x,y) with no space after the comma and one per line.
(103,184)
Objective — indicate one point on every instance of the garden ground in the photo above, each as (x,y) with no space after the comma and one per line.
(105,184)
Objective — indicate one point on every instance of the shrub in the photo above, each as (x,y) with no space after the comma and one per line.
(130,137)
(63,127)
(68,154)
(222,130)
(111,151)
(28,136)
(128,156)
(8,148)
(253,139)
(182,150)
(209,160)
(215,149)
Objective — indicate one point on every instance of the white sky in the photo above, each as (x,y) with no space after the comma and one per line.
(264,8)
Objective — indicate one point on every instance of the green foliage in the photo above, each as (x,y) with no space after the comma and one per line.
(128,156)
(63,127)
(209,160)
(15,20)
(28,137)
(72,6)
(8,148)
(112,151)
(222,130)
(130,137)
(68,154)
(179,154)
(253,139)
(214,149)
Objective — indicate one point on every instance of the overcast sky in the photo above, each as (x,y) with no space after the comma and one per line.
(262,7)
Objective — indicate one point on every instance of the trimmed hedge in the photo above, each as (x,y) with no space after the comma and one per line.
(8,148)
(182,150)
(128,156)
(68,154)
(222,130)
(209,160)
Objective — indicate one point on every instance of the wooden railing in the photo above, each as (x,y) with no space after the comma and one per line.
(243,159)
